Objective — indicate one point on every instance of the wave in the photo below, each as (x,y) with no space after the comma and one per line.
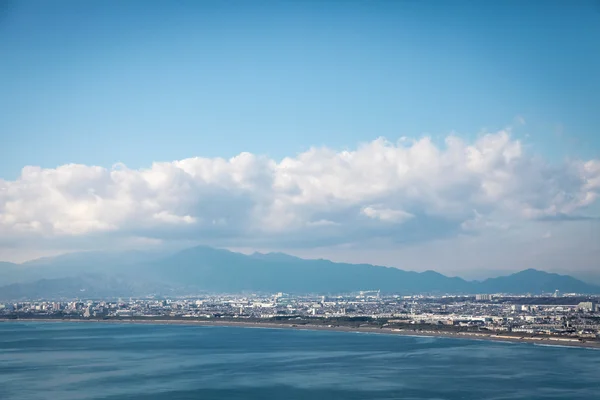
(564,346)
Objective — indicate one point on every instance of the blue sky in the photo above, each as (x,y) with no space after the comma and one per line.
(137,82)
(499,100)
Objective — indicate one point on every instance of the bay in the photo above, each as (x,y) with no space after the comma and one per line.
(137,361)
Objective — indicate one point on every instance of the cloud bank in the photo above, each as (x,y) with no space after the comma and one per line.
(408,191)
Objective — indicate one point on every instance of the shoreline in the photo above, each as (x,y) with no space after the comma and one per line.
(545,341)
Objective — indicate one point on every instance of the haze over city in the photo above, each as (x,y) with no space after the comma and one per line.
(404,134)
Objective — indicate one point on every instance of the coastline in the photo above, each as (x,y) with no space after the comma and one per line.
(545,341)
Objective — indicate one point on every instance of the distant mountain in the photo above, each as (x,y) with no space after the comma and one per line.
(281,257)
(74,264)
(96,258)
(592,277)
(87,286)
(204,268)
(10,272)
(534,281)
(222,270)
(7,266)
(4,264)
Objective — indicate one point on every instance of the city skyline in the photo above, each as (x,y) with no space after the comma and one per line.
(459,138)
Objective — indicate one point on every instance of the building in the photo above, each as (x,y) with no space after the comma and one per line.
(586,306)
(484,297)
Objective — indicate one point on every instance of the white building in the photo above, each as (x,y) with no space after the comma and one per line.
(586,306)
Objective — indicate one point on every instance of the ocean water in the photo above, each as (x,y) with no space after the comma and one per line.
(109,361)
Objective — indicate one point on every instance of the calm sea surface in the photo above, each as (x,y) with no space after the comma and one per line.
(108,361)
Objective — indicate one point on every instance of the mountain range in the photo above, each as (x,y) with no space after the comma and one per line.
(206,269)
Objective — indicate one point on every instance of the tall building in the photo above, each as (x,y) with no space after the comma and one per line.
(586,306)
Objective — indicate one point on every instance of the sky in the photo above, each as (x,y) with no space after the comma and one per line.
(458,136)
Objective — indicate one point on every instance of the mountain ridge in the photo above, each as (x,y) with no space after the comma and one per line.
(208,269)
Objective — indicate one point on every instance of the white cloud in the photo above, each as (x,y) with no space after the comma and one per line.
(480,222)
(386,214)
(165,216)
(380,189)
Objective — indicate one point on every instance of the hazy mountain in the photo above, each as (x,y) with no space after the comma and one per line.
(280,257)
(534,281)
(592,277)
(208,269)
(84,286)
(221,270)
(7,266)
(10,272)
(4,264)
(74,264)
(95,258)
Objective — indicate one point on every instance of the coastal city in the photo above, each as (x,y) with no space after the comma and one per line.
(337,200)
(557,317)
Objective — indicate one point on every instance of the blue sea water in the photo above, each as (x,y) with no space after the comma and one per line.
(120,361)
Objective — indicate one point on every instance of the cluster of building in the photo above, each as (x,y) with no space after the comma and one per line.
(549,315)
